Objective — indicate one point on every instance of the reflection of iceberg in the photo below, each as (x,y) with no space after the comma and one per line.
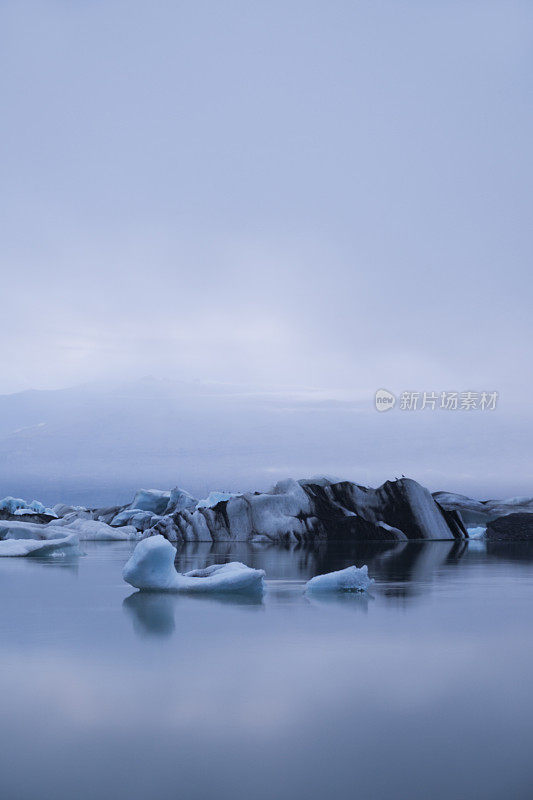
(38,547)
(151,567)
(351,579)
(353,601)
(152,614)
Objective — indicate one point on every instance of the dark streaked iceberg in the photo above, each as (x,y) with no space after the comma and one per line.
(511,527)
(307,510)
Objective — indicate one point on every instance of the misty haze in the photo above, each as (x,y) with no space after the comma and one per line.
(266,487)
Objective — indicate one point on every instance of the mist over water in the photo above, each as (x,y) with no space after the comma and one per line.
(96,445)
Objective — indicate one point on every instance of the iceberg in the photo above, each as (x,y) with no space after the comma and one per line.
(482,512)
(180,500)
(296,511)
(477,533)
(15,529)
(154,500)
(151,567)
(85,530)
(19,507)
(214,498)
(351,579)
(136,517)
(39,547)
(512,527)
(93,530)
(290,512)
(61,510)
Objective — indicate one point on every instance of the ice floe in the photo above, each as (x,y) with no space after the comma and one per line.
(85,530)
(477,533)
(15,529)
(39,547)
(93,530)
(351,579)
(151,567)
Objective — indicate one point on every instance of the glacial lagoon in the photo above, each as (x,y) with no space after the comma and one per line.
(419,688)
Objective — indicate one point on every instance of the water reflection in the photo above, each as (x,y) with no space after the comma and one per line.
(153,613)
(397,562)
(296,697)
(355,601)
(67,562)
(510,551)
(403,571)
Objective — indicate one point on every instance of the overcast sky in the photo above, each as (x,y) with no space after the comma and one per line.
(305,194)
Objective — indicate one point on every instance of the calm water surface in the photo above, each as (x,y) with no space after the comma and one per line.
(422,689)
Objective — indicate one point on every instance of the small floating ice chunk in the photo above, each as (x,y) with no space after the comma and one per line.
(38,547)
(151,567)
(477,533)
(351,579)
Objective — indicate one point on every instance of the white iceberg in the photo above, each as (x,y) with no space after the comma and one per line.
(351,579)
(13,529)
(477,533)
(151,567)
(19,507)
(39,547)
(93,530)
